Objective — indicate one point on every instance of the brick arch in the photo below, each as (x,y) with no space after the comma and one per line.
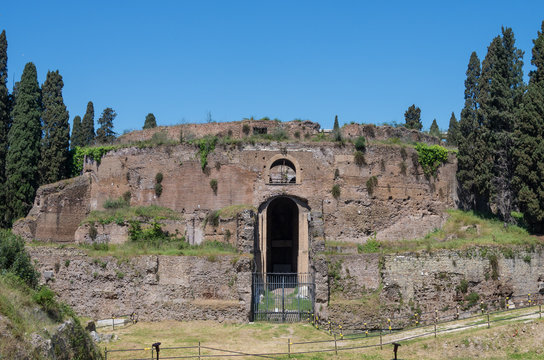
(273,159)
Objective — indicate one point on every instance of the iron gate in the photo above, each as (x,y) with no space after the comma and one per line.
(283,297)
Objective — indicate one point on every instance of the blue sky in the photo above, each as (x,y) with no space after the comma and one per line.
(365,62)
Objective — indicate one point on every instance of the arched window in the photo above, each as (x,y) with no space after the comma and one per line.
(282,171)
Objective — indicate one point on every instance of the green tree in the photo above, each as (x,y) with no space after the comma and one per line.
(54,162)
(453,131)
(529,143)
(336,133)
(87,125)
(77,137)
(150,121)
(413,118)
(434,130)
(501,90)
(5,120)
(469,131)
(105,133)
(24,146)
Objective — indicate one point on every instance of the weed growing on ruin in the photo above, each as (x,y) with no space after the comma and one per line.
(402,168)
(213,185)
(118,203)
(371,184)
(335,191)
(371,246)
(206,145)
(360,144)
(462,287)
(212,219)
(359,158)
(494,264)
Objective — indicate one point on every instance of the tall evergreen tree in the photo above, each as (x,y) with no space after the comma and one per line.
(469,132)
(56,131)
(105,133)
(529,143)
(501,89)
(412,117)
(336,133)
(87,125)
(435,130)
(77,137)
(24,146)
(453,131)
(5,120)
(150,121)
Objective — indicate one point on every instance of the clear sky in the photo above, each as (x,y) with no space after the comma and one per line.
(364,61)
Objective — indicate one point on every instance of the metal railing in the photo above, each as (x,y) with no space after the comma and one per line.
(283,297)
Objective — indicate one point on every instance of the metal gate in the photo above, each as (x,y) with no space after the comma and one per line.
(283,297)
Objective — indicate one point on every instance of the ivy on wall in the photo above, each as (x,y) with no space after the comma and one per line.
(95,153)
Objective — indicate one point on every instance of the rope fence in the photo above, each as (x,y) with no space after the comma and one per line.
(366,337)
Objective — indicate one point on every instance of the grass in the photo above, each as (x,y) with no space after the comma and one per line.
(512,340)
(25,311)
(465,230)
(176,247)
(232,210)
(120,215)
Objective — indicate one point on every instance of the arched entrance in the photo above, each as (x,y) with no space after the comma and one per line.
(282,224)
(283,289)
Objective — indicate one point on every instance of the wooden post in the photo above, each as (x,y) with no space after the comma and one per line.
(113,322)
(540,311)
(289,348)
(105,352)
(381,346)
(488,319)
(199,350)
(335,346)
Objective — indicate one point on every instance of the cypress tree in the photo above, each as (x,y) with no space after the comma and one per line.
(24,146)
(150,121)
(87,126)
(501,89)
(105,134)
(337,135)
(76,139)
(5,120)
(412,117)
(56,131)
(453,131)
(529,143)
(434,130)
(469,131)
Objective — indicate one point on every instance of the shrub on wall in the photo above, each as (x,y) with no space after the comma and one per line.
(359,158)
(371,184)
(360,144)
(213,185)
(335,191)
(430,157)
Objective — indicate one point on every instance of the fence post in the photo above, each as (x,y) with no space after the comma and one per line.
(488,319)
(335,346)
(540,311)
(381,346)
(289,348)
(113,322)
(435,321)
(199,350)
(105,352)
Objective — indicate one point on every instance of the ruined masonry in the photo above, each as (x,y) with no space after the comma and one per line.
(286,214)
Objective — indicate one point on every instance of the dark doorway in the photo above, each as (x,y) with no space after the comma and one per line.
(282,236)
